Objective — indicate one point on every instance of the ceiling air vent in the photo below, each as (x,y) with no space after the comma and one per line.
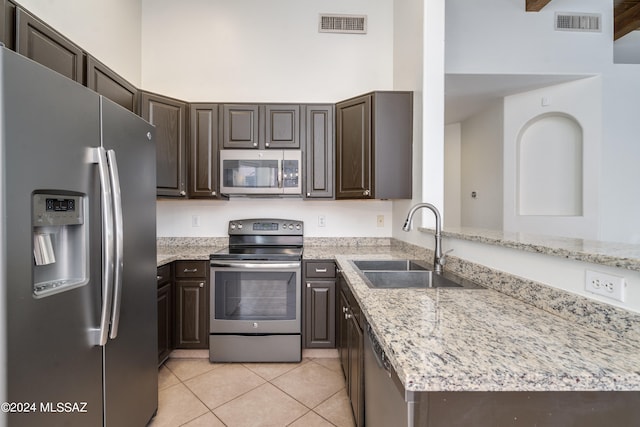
(590,22)
(351,24)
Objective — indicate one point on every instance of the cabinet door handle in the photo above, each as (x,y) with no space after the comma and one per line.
(190,270)
(158,278)
(321,270)
(201,284)
(348,316)
(365,192)
(183,193)
(308,285)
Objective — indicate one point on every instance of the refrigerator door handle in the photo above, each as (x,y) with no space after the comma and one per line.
(100,157)
(119,238)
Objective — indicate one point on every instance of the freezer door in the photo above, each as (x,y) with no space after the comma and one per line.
(131,373)
(48,124)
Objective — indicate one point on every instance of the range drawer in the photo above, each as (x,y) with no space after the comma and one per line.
(320,269)
(189,269)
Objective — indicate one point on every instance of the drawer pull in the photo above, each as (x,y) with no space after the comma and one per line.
(190,270)
(158,278)
(321,270)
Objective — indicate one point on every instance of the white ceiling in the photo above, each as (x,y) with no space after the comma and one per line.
(468,94)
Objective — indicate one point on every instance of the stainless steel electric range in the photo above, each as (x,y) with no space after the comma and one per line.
(256,293)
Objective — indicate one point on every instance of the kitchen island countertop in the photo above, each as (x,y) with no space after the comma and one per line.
(483,340)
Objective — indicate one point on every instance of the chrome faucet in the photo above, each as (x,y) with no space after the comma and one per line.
(438,258)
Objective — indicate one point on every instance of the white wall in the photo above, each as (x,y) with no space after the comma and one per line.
(476,43)
(452,175)
(343,219)
(257,51)
(108,30)
(626,50)
(581,100)
(263,51)
(499,37)
(481,164)
(408,54)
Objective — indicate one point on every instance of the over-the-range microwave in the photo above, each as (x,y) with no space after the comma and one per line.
(260,172)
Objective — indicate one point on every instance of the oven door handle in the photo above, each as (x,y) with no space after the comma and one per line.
(257,265)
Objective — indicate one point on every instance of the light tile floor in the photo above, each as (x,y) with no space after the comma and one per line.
(194,392)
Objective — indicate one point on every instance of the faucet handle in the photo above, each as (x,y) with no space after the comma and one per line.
(443,259)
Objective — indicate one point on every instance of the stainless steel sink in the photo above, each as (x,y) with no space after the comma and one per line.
(399,274)
(389,265)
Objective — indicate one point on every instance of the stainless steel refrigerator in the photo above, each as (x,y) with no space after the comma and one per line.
(78,344)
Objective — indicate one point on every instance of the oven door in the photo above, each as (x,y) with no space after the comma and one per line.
(254,297)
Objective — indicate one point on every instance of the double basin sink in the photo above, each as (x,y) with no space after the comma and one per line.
(405,273)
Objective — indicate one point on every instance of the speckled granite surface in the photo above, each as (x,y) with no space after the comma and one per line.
(187,248)
(483,340)
(622,255)
(478,340)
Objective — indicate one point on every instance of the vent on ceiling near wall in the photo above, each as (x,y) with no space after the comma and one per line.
(351,24)
(590,22)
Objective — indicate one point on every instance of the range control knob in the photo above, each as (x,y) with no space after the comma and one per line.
(298,226)
(239,226)
(232,226)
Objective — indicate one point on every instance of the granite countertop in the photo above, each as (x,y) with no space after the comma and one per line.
(614,254)
(483,340)
(471,340)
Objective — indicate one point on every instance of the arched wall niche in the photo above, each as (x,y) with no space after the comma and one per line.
(550,167)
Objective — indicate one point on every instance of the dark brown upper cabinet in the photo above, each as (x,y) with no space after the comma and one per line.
(169,117)
(106,82)
(203,150)
(282,124)
(319,140)
(43,44)
(240,124)
(261,126)
(8,24)
(374,134)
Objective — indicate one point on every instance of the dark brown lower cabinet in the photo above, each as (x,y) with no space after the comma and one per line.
(191,305)
(319,320)
(165,313)
(351,349)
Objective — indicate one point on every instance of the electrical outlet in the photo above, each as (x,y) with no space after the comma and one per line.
(195,220)
(380,221)
(606,285)
(322,221)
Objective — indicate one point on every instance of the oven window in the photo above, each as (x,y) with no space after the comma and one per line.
(255,295)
